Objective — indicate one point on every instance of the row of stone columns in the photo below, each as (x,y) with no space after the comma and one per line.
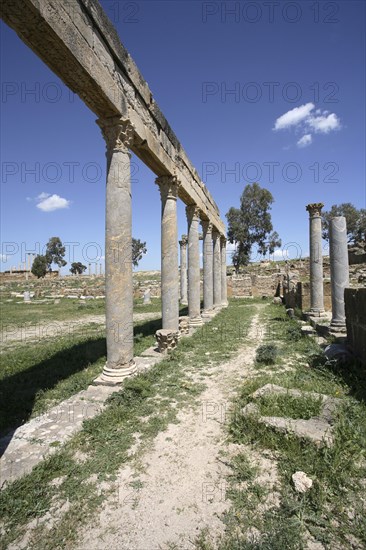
(118,135)
(214,269)
(339,269)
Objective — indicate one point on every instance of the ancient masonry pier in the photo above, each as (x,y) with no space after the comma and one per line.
(194,300)
(217,269)
(80,45)
(316,259)
(339,271)
(183,270)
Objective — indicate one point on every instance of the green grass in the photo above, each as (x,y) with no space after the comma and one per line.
(288,406)
(33,378)
(145,405)
(333,510)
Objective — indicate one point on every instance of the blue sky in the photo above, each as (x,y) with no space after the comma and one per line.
(224,74)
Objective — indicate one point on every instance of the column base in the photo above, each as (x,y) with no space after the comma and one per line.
(224,304)
(337,327)
(196,322)
(317,312)
(208,314)
(114,377)
(184,302)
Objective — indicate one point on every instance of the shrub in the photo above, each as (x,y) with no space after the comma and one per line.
(294,332)
(267,354)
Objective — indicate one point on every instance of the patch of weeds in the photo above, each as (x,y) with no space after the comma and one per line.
(294,332)
(266,354)
(304,407)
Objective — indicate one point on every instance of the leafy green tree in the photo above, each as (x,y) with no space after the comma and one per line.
(77,268)
(138,250)
(356,221)
(55,252)
(40,266)
(252,224)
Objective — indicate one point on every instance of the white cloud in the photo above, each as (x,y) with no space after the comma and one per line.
(324,123)
(293,117)
(280,254)
(309,121)
(48,203)
(305,140)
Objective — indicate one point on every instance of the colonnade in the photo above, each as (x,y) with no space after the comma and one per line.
(118,135)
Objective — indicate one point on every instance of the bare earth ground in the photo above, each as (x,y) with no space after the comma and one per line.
(179,483)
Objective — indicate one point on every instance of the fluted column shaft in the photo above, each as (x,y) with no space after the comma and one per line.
(339,270)
(183,271)
(207,267)
(316,259)
(194,300)
(118,251)
(223,272)
(216,270)
(169,252)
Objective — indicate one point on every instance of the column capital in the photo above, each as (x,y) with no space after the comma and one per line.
(207,226)
(223,240)
(169,186)
(315,209)
(193,212)
(184,240)
(118,133)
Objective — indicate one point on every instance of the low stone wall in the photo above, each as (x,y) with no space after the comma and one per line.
(355,302)
(239,286)
(300,296)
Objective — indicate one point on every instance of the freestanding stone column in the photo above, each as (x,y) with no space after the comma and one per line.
(118,252)
(216,270)
(316,259)
(339,270)
(207,269)
(194,300)
(169,252)
(183,270)
(223,273)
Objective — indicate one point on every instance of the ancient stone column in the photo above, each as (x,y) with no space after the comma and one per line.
(194,300)
(207,269)
(224,301)
(183,270)
(339,270)
(216,270)
(169,252)
(316,259)
(118,252)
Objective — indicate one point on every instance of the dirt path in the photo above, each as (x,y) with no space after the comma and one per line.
(67,327)
(181,489)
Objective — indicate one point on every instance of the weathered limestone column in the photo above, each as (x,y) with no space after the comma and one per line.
(224,301)
(316,259)
(183,270)
(118,252)
(194,300)
(216,270)
(339,270)
(169,252)
(207,269)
